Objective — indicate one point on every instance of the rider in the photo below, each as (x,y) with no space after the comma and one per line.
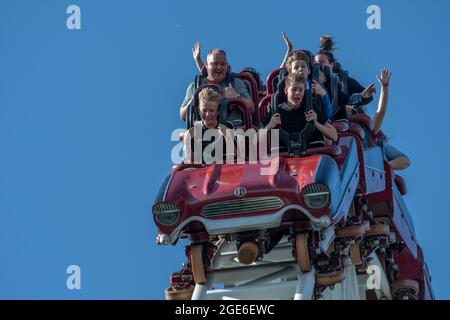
(292,117)
(397,159)
(299,63)
(217,70)
(208,133)
(325,59)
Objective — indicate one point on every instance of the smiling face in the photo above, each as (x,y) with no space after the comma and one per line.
(300,67)
(295,92)
(209,111)
(217,67)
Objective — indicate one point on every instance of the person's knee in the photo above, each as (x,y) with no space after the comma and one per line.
(407,162)
(400,163)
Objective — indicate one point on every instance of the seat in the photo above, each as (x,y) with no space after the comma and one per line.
(357,130)
(251,85)
(341,126)
(367,124)
(272,80)
(258,80)
(237,104)
(263,108)
(252,88)
(362,119)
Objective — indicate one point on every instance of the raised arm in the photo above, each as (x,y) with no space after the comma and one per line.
(196,54)
(385,77)
(289,48)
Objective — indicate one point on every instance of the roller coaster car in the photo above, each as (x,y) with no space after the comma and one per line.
(254,206)
(347,188)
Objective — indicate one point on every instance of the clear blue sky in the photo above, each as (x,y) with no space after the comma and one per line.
(86,117)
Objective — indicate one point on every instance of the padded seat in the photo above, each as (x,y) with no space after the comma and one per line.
(362,119)
(263,107)
(357,130)
(270,81)
(341,126)
(251,85)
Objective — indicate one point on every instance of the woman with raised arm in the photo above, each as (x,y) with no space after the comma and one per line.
(325,58)
(289,49)
(397,159)
(196,54)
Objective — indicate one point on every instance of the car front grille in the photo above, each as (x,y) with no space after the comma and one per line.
(247,205)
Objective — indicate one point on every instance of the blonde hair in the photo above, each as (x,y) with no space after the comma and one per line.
(209,95)
(292,78)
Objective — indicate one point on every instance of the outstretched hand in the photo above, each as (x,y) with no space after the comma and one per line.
(289,45)
(369,91)
(385,77)
(196,51)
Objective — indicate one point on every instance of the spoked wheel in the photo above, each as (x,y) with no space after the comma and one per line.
(355,254)
(179,294)
(302,251)
(197,263)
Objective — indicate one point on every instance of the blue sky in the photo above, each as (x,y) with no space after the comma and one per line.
(86,117)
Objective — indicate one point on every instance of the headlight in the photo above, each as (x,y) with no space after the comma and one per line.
(316,196)
(166,214)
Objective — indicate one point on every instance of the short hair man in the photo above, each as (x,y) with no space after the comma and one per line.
(217,68)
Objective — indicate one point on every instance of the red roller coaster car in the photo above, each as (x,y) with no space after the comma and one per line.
(336,205)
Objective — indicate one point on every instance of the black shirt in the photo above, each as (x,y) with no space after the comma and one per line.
(195,144)
(293,120)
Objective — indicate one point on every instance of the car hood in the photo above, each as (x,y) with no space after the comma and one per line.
(219,181)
